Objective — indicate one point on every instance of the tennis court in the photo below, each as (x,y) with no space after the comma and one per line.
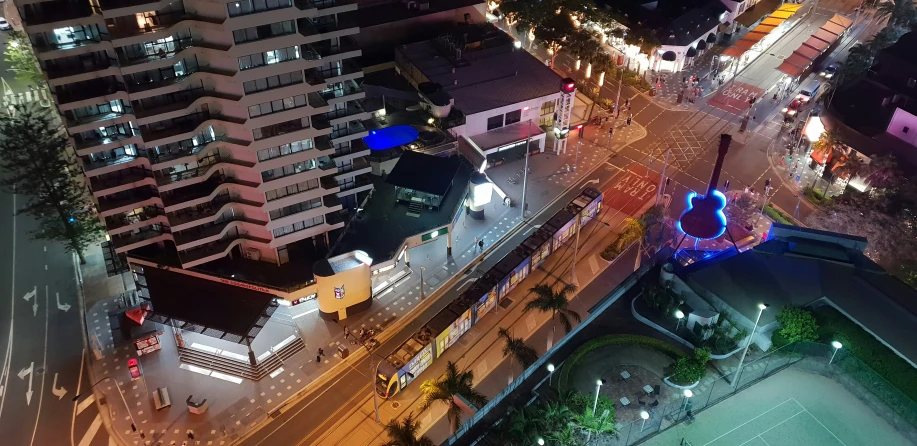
(792,407)
(786,423)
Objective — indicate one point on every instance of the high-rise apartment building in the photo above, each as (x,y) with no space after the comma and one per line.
(208,125)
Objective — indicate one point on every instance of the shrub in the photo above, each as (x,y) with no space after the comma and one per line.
(816,196)
(689,370)
(610,252)
(797,325)
(610,340)
(578,403)
(778,216)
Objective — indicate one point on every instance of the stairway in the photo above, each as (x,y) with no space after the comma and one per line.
(415,208)
(235,367)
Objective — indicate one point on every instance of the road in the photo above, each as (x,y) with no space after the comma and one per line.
(40,336)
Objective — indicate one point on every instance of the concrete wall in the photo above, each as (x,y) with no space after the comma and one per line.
(476,124)
(377,42)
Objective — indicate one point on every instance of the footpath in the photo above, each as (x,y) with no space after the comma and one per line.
(238,406)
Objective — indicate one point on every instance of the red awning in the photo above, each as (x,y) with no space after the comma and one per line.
(790,69)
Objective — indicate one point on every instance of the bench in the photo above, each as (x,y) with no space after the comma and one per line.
(161,398)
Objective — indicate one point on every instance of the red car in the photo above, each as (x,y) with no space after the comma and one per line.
(134,367)
(793,108)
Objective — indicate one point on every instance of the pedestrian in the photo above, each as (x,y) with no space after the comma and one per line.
(475,243)
(746,189)
(684,79)
(346,332)
(321,352)
(318,360)
(481,242)
(735,198)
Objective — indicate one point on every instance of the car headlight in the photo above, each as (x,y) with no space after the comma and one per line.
(822,73)
(785,109)
(792,112)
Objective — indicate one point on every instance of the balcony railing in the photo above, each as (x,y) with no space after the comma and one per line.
(47,47)
(201,190)
(202,232)
(108,5)
(158,23)
(349,88)
(101,140)
(325,49)
(129,198)
(310,27)
(132,175)
(357,164)
(153,132)
(185,98)
(322,4)
(199,171)
(55,72)
(107,162)
(211,209)
(353,127)
(73,122)
(359,181)
(147,213)
(122,241)
(216,248)
(82,92)
(57,12)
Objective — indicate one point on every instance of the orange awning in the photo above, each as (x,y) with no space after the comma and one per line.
(755,35)
(817,43)
(790,69)
(841,20)
(826,36)
(733,51)
(808,52)
(834,28)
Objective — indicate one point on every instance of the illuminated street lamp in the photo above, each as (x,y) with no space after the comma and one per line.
(761,308)
(550,373)
(646,416)
(680,315)
(688,395)
(540,441)
(598,385)
(837,346)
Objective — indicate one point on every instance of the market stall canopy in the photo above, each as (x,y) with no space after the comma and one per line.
(669,56)
(815,46)
(762,30)
(790,69)
(841,20)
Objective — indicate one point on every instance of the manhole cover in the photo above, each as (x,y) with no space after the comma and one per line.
(395,405)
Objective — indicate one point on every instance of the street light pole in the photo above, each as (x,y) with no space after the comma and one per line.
(421,282)
(688,395)
(837,346)
(525,173)
(550,374)
(646,416)
(761,308)
(598,385)
(575,250)
(680,315)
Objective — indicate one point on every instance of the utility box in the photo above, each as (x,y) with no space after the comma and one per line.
(343,351)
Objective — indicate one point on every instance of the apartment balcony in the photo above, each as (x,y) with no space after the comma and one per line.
(189,155)
(356,149)
(183,48)
(200,174)
(326,7)
(326,51)
(202,192)
(126,179)
(113,164)
(331,202)
(128,201)
(120,8)
(321,29)
(348,70)
(329,184)
(147,216)
(216,250)
(63,75)
(359,166)
(124,244)
(353,130)
(51,51)
(157,134)
(200,235)
(351,112)
(189,218)
(189,100)
(86,123)
(96,93)
(350,92)
(89,146)
(360,184)
(160,26)
(61,15)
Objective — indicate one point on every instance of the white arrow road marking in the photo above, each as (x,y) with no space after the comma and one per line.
(30,294)
(60,306)
(59,393)
(22,374)
(595,181)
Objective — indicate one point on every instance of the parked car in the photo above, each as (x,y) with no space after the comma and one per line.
(828,72)
(4,25)
(134,367)
(793,108)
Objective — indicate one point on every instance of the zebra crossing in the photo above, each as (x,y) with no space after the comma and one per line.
(40,96)
(87,424)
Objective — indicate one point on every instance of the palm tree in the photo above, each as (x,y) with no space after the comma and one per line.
(883,172)
(546,299)
(404,432)
(900,13)
(859,59)
(446,388)
(555,416)
(565,436)
(595,424)
(517,350)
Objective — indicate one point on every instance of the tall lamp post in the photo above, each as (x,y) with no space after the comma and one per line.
(120,392)
(688,395)
(646,416)
(680,315)
(761,308)
(837,346)
(550,373)
(421,282)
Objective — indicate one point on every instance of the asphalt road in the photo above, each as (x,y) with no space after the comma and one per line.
(41,341)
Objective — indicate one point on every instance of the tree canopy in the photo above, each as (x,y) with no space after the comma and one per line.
(19,55)
(34,158)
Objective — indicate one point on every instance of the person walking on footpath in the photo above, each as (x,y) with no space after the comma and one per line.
(346,332)
(475,244)
(321,352)
(481,244)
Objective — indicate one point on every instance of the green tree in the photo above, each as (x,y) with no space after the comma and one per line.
(564,436)
(598,425)
(516,349)
(555,302)
(405,432)
(883,173)
(553,33)
(691,369)
(21,58)
(859,59)
(885,38)
(444,390)
(797,325)
(900,13)
(555,416)
(33,156)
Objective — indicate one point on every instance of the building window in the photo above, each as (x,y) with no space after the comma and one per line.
(295,208)
(264,31)
(268,58)
(280,128)
(513,117)
(290,169)
(272,82)
(245,7)
(277,106)
(303,186)
(284,150)
(906,129)
(494,122)
(299,226)
(547,108)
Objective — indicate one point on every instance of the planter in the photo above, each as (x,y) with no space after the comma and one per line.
(667,273)
(678,386)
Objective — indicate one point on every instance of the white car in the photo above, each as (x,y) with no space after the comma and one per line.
(4,25)
(829,71)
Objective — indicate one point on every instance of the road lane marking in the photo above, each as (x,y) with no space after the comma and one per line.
(44,366)
(91,432)
(83,405)
(5,374)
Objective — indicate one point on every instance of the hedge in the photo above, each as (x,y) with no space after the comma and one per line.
(778,216)
(816,196)
(834,326)
(610,340)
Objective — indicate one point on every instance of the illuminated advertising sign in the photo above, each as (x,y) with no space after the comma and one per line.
(481,194)
(433,235)
(487,303)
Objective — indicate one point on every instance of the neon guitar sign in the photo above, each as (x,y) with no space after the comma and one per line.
(704,217)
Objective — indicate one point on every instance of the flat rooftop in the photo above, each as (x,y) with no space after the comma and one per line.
(490,73)
(384,223)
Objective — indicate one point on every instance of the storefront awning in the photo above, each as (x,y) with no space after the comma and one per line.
(817,43)
(701,45)
(834,28)
(711,38)
(790,70)
(841,20)
(669,56)
(826,36)
(691,52)
(799,60)
(815,46)
(762,30)
(808,52)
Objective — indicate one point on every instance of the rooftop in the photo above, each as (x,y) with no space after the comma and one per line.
(694,24)
(797,270)
(490,72)
(382,214)
(859,105)
(425,173)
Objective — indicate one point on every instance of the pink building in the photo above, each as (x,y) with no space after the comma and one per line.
(210,128)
